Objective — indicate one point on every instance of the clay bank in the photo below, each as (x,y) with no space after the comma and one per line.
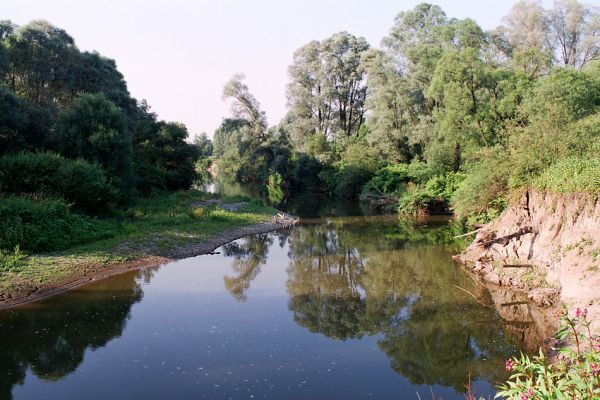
(546,245)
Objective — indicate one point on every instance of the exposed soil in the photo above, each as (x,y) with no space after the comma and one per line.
(546,246)
(87,271)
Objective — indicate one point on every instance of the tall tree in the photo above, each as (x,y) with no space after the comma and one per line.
(394,107)
(245,106)
(327,91)
(527,32)
(575,31)
(40,56)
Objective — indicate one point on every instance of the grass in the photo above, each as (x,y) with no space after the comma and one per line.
(155,226)
(570,175)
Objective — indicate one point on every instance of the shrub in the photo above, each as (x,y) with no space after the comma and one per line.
(351,179)
(79,182)
(431,198)
(198,213)
(570,175)
(305,173)
(392,179)
(574,376)
(346,178)
(274,191)
(484,188)
(11,261)
(46,225)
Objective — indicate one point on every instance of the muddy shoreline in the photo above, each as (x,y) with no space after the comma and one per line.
(87,273)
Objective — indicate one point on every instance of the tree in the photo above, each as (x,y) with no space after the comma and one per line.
(245,106)
(204,145)
(394,107)
(327,91)
(94,128)
(12,121)
(227,135)
(417,40)
(5,29)
(527,32)
(310,106)
(575,31)
(40,56)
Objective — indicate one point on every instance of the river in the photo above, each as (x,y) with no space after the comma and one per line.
(343,306)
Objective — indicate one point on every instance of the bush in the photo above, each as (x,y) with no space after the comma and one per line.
(570,175)
(351,179)
(305,173)
(79,182)
(485,185)
(431,198)
(393,178)
(576,375)
(274,188)
(46,225)
(357,166)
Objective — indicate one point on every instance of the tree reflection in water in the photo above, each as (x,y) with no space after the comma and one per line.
(52,343)
(352,277)
(249,255)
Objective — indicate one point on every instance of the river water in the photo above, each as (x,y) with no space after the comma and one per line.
(343,306)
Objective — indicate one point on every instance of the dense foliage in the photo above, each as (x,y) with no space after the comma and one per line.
(444,117)
(73,140)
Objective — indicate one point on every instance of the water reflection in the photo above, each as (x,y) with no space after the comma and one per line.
(331,287)
(344,287)
(51,338)
(249,254)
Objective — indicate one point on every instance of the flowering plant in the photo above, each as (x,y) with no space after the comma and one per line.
(575,375)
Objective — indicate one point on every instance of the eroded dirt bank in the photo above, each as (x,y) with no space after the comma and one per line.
(545,245)
(87,271)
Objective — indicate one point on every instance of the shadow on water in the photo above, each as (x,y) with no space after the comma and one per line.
(51,338)
(349,278)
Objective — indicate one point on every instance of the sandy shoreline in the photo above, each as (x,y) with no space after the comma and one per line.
(90,273)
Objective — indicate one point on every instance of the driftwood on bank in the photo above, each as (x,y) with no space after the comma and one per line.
(505,239)
(468,233)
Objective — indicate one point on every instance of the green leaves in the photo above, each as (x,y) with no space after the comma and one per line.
(573,376)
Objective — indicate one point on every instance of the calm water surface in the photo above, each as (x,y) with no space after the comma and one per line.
(337,308)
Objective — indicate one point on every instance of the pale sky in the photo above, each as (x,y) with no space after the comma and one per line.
(177,54)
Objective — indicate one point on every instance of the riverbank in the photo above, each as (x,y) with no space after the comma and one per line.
(183,225)
(545,245)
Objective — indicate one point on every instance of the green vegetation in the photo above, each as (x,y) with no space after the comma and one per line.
(65,244)
(83,184)
(41,225)
(570,175)
(76,150)
(445,117)
(573,376)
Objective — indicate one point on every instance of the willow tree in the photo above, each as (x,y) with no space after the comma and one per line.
(327,91)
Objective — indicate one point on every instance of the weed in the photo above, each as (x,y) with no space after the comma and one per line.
(11,261)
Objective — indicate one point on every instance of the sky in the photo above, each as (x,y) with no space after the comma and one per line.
(177,54)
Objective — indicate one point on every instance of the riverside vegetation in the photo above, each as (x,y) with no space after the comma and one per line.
(443,118)
(87,172)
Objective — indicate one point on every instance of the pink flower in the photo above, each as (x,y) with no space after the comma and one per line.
(578,312)
(528,395)
(594,369)
(509,364)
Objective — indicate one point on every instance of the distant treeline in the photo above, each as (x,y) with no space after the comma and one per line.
(445,116)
